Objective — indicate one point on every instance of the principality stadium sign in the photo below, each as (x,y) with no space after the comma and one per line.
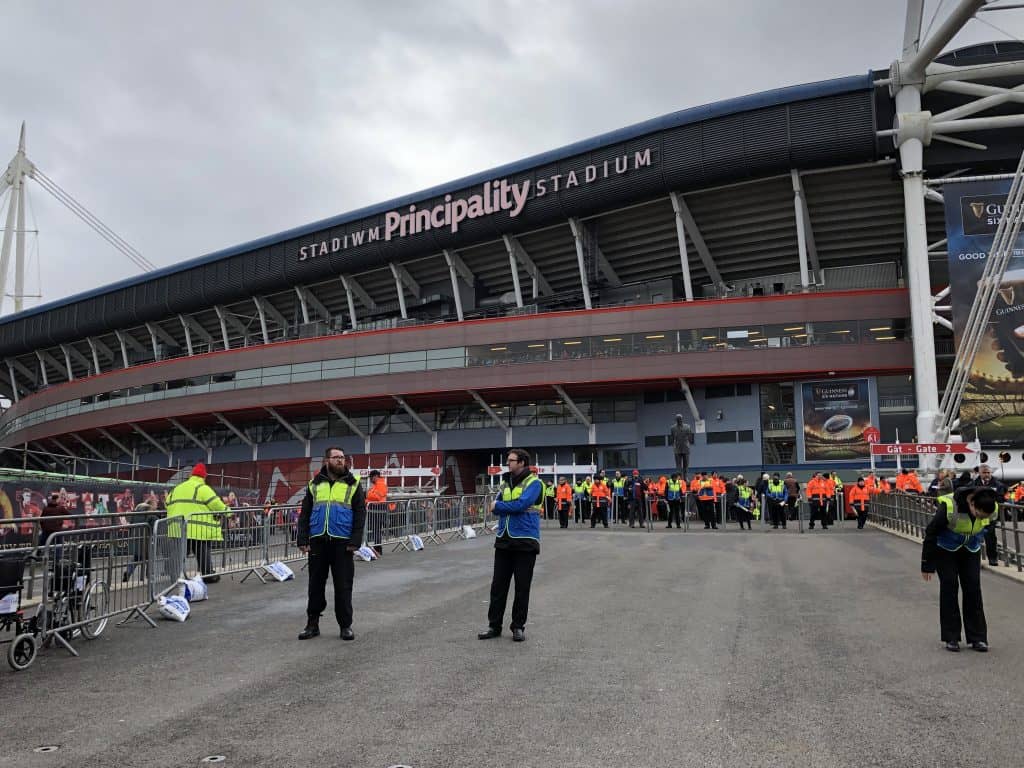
(492,197)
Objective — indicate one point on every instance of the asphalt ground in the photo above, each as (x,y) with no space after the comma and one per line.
(643,649)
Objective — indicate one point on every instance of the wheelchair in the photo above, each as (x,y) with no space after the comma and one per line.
(23,644)
(75,604)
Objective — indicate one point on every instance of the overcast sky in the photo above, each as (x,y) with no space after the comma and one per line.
(188,127)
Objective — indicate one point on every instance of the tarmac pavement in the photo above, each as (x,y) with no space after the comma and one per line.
(643,649)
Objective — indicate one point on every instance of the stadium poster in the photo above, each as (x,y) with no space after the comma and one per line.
(835,414)
(996,382)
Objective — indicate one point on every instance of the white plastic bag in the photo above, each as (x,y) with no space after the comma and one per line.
(366,554)
(173,607)
(468,532)
(415,543)
(279,571)
(195,589)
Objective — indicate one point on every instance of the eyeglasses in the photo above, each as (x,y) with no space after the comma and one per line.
(514,461)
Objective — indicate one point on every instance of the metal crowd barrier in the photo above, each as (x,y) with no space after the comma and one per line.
(910,513)
(281,533)
(87,582)
(89,576)
(165,562)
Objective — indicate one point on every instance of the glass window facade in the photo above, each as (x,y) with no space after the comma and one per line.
(511,353)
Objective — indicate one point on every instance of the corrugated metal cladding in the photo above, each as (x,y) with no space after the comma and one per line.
(827,130)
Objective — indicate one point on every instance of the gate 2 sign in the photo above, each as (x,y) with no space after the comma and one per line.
(904,449)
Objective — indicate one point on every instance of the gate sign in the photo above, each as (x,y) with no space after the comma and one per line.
(913,449)
(872,435)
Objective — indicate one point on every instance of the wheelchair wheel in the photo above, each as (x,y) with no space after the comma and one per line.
(22,652)
(95,603)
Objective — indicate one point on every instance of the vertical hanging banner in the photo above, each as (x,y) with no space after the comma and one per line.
(991,402)
(835,414)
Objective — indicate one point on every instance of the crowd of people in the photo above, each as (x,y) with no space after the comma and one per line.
(634,500)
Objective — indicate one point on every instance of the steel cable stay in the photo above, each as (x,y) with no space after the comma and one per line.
(89,218)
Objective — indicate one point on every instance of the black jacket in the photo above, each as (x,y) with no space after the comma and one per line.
(358,508)
(994,484)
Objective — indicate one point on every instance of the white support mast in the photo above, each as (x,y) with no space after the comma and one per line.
(14,227)
(18,171)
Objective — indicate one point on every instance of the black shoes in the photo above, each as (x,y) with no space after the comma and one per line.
(518,635)
(311,630)
(993,563)
(980,646)
(488,634)
(348,634)
(953,645)
(211,579)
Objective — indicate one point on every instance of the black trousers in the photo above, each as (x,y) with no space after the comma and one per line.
(776,512)
(203,550)
(675,507)
(577,505)
(509,563)
(563,514)
(862,514)
(960,570)
(637,512)
(742,515)
(819,511)
(991,546)
(707,509)
(549,507)
(599,513)
(330,556)
(791,502)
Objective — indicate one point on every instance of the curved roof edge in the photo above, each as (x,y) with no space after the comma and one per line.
(771,98)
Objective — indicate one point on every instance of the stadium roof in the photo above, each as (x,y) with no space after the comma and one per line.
(776,97)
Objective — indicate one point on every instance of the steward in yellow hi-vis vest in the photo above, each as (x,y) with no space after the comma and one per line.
(330,529)
(952,547)
(197,502)
(516,544)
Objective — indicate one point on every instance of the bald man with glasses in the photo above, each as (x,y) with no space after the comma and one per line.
(519,507)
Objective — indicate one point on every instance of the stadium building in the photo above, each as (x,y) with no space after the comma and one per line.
(750,263)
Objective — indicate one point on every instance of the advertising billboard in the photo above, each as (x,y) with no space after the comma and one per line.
(991,402)
(835,414)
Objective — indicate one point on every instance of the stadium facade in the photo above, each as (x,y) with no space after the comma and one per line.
(743,263)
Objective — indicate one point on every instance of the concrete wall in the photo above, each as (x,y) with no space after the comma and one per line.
(738,413)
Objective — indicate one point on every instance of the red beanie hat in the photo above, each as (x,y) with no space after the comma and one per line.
(199,470)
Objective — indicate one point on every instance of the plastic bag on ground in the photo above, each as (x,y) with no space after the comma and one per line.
(279,571)
(195,589)
(173,607)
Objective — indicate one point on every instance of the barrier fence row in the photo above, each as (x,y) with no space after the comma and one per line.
(910,514)
(69,583)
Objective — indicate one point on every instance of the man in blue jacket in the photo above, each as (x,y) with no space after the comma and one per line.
(330,529)
(519,506)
